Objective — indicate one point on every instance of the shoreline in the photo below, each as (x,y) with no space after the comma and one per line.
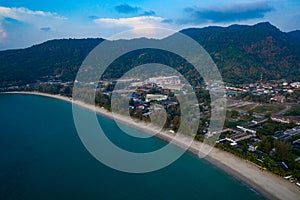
(266,183)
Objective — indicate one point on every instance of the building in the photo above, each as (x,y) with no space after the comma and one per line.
(246,129)
(295,84)
(259,120)
(156,97)
(165,80)
(278,98)
(285,119)
(288,134)
(239,137)
(234,138)
(253,147)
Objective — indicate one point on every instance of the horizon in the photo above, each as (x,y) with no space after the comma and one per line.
(138,37)
(26,23)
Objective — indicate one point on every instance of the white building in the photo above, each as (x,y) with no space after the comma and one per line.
(165,80)
(295,84)
(156,97)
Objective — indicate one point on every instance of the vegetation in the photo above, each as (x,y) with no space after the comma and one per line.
(294,111)
(53,58)
(240,55)
(267,109)
(270,128)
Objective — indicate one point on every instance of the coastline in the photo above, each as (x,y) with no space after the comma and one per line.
(269,185)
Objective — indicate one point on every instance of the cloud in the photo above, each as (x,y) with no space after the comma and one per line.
(132,22)
(46,29)
(148,13)
(24,14)
(10,20)
(31,18)
(93,17)
(232,13)
(168,21)
(126,8)
(129,9)
(22,26)
(141,26)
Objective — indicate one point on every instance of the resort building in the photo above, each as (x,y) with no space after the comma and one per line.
(285,119)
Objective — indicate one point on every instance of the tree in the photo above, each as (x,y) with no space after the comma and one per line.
(138,114)
(66,90)
(250,112)
(234,113)
(265,145)
(282,149)
(176,123)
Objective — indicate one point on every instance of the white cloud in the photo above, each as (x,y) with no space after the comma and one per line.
(132,22)
(32,19)
(141,26)
(7,12)
(26,15)
(21,27)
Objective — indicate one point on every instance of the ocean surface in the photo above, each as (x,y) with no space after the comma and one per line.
(42,157)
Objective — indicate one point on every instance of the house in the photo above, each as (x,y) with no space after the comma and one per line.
(252,147)
(278,98)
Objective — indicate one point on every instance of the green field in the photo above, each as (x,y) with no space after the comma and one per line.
(270,109)
(294,111)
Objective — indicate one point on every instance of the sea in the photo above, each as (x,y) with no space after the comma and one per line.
(42,157)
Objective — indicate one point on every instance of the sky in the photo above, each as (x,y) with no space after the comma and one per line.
(24,23)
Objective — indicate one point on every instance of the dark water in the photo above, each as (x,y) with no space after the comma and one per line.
(42,157)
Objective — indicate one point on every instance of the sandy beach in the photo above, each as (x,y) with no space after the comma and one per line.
(268,184)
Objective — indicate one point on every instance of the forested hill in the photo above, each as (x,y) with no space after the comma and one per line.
(55,57)
(241,52)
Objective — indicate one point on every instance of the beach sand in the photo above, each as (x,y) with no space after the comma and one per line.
(268,184)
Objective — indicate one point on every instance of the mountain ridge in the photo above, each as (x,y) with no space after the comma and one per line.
(242,53)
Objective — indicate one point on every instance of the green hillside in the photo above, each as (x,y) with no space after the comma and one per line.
(241,52)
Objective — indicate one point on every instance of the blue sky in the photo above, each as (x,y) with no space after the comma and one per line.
(27,22)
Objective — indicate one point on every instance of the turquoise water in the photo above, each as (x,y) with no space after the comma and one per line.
(42,157)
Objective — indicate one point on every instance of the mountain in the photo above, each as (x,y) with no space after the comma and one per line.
(241,52)
(56,57)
